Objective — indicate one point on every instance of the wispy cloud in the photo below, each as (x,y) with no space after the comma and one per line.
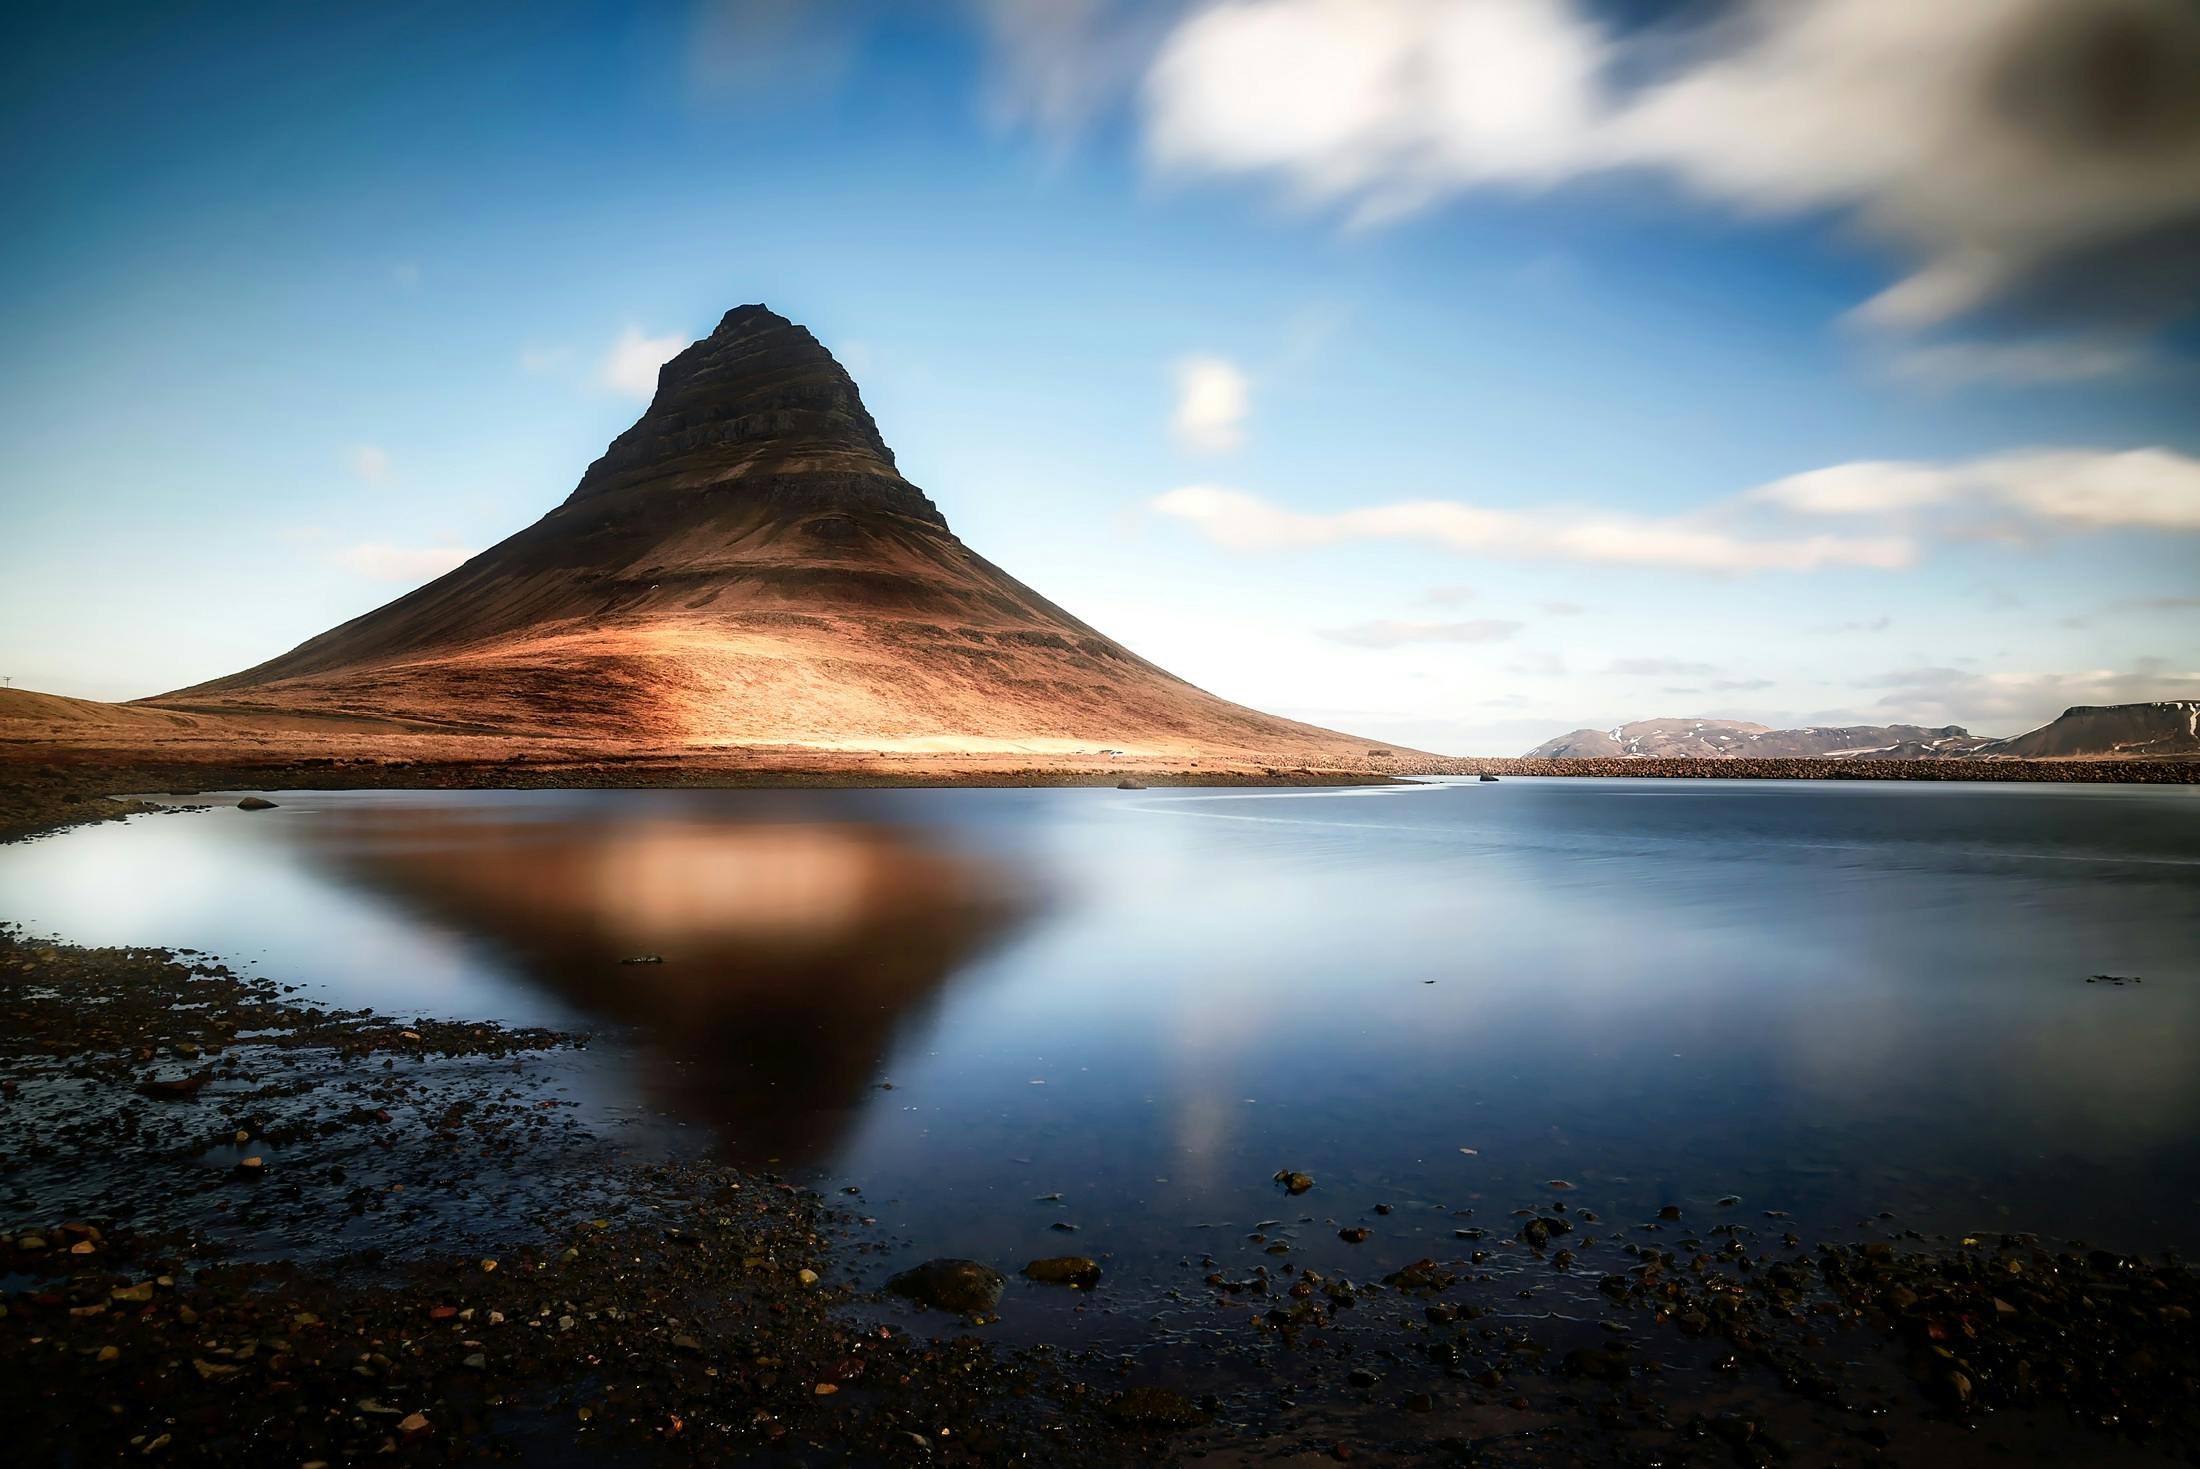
(2155,489)
(1452,595)
(2154,604)
(379,561)
(2020,363)
(1240,521)
(1394,634)
(1894,505)
(1212,398)
(1660,668)
(630,367)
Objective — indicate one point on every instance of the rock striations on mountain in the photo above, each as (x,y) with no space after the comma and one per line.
(747,565)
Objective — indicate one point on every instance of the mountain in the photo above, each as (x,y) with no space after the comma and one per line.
(1725,739)
(2169,728)
(747,565)
(2089,731)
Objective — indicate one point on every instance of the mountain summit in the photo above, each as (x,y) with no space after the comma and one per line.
(747,565)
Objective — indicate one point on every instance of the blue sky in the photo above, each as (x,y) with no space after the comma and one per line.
(1458,409)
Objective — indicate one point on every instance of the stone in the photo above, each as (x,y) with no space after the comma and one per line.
(255,803)
(963,1287)
(1154,1408)
(1074,1271)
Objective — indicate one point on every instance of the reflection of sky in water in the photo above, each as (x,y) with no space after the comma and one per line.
(1829,998)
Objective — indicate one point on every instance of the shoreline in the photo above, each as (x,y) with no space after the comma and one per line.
(50,787)
(657,1308)
(430,1258)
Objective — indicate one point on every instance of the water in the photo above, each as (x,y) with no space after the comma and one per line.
(1831,999)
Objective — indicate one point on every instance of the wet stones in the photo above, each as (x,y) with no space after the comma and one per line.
(1075,1271)
(962,1287)
(1537,1232)
(1294,1182)
(255,803)
(1423,1276)
(1601,1364)
(1155,1409)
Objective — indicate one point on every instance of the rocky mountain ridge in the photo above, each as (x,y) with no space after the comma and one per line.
(2122,730)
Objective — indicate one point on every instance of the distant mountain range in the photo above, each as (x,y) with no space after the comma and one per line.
(2088,731)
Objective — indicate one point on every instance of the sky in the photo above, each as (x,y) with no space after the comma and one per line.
(1455,372)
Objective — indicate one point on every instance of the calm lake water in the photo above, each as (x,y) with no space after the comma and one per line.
(1831,999)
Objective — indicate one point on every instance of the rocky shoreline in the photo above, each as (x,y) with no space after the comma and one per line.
(239,1228)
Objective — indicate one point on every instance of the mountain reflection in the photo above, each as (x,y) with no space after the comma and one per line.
(793,950)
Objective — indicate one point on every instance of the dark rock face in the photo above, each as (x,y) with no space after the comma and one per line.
(759,400)
(963,1287)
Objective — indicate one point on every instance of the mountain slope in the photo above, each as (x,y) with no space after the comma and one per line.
(2169,728)
(746,564)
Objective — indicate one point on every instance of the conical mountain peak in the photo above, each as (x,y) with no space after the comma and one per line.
(746,565)
(758,398)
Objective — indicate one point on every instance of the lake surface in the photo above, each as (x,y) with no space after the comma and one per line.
(1832,999)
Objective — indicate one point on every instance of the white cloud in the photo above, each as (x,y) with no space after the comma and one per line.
(370,462)
(2155,489)
(630,367)
(377,561)
(1243,522)
(1989,139)
(1388,103)
(1394,634)
(1212,399)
